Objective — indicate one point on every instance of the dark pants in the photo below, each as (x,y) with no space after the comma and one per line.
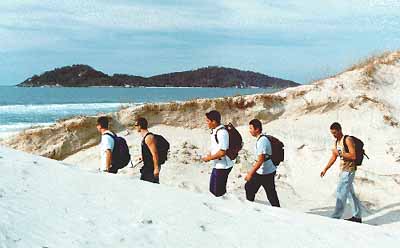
(268,183)
(149,177)
(147,174)
(113,170)
(218,180)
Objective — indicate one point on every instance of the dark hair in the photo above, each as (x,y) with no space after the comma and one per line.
(256,124)
(336,126)
(103,122)
(214,115)
(142,123)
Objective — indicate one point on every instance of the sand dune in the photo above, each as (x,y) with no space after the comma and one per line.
(45,203)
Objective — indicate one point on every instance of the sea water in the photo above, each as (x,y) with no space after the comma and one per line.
(21,108)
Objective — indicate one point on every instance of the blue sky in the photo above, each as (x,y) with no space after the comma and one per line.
(297,40)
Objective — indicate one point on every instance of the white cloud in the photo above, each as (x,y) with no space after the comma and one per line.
(222,14)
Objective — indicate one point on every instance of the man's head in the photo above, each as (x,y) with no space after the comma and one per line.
(141,124)
(102,123)
(213,119)
(255,127)
(336,130)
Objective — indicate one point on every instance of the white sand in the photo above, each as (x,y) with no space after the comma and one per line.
(299,185)
(366,107)
(45,203)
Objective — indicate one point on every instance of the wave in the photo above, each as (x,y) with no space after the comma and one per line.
(15,118)
(20,126)
(46,108)
(7,130)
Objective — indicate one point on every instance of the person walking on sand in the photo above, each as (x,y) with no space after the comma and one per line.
(106,145)
(347,173)
(219,145)
(263,171)
(150,171)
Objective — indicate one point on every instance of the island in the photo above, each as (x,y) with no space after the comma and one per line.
(211,76)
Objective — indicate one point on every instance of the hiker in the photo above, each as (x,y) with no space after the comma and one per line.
(150,171)
(219,146)
(348,169)
(106,145)
(263,171)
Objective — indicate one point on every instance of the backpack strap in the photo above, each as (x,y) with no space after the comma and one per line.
(268,156)
(216,132)
(113,136)
(147,134)
(346,148)
(365,154)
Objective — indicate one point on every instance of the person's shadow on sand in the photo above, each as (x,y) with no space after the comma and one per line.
(385,215)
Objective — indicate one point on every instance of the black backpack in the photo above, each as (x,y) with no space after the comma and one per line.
(235,141)
(359,146)
(162,148)
(120,154)
(278,151)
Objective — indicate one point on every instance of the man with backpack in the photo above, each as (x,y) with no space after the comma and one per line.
(114,150)
(345,148)
(264,170)
(154,152)
(218,154)
(106,145)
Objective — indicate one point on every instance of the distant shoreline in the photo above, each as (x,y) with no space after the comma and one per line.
(147,87)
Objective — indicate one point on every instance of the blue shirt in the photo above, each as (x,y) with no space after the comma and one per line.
(263,146)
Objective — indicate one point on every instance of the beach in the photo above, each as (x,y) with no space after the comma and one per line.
(365,104)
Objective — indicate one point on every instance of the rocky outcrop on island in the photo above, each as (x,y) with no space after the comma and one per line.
(86,76)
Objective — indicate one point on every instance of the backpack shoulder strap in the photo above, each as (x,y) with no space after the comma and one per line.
(216,132)
(147,134)
(346,148)
(268,156)
(112,135)
(262,135)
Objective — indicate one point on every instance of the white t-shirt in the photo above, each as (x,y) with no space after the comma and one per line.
(223,144)
(263,146)
(107,143)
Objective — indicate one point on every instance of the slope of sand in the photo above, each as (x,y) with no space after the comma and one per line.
(45,203)
(298,183)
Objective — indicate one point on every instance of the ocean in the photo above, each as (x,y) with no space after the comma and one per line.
(22,108)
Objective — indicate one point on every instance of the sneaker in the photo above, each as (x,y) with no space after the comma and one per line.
(354,219)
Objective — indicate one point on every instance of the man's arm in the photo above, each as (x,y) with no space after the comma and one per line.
(351,155)
(108,159)
(332,160)
(215,156)
(256,166)
(151,143)
(223,138)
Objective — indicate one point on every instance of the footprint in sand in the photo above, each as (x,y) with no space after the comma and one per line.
(209,206)
(183,185)
(147,222)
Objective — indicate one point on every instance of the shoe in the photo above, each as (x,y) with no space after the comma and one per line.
(354,219)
